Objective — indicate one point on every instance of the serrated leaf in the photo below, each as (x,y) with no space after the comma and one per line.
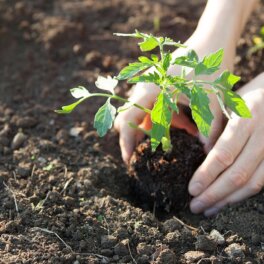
(144,59)
(147,78)
(170,102)
(67,109)
(201,112)
(190,60)
(104,118)
(161,120)
(107,84)
(210,63)
(79,92)
(227,80)
(132,69)
(166,61)
(234,102)
(149,44)
(171,42)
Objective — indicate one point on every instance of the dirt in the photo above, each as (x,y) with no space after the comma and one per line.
(161,179)
(65,194)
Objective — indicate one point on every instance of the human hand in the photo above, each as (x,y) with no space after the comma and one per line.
(233,169)
(145,95)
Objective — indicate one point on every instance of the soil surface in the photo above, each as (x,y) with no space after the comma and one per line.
(160,180)
(64,193)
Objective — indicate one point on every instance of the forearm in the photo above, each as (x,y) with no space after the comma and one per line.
(224,20)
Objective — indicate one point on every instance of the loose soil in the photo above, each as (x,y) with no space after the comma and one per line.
(65,194)
(160,180)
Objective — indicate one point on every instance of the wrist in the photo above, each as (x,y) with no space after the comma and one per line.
(225,18)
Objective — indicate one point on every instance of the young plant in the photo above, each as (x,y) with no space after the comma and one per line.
(258,42)
(197,89)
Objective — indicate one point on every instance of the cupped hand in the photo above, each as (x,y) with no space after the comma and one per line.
(145,94)
(234,168)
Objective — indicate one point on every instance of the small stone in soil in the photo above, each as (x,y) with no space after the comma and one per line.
(205,243)
(171,225)
(18,140)
(193,256)
(26,122)
(235,251)
(144,249)
(217,237)
(173,238)
(166,256)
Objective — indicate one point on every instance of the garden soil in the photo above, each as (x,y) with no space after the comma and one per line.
(65,196)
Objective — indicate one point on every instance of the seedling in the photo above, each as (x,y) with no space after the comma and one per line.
(153,69)
(258,42)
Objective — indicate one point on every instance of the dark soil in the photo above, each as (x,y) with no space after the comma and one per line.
(64,193)
(161,179)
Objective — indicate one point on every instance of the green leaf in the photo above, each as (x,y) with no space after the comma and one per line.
(210,63)
(149,43)
(79,92)
(227,80)
(67,109)
(171,42)
(234,102)
(171,103)
(154,58)
(157,133)
(166,61)
(132,69)
(161,120)
(144,59)
(147,78)
(201,112)
(190,60)
(104,118)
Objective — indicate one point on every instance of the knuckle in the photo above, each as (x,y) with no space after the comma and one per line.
(255,187)
(238,178)
(224,157)
(210,198)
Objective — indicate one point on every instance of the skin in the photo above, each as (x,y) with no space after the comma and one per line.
(230,172)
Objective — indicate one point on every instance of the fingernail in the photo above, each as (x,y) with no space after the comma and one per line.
(195,188)
(211,212)
(197,206)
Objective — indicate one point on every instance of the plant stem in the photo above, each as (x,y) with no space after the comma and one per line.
(116,97)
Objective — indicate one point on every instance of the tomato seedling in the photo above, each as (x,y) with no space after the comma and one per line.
(196,89)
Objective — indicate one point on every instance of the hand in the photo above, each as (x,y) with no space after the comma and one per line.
(145,94)
(234,168)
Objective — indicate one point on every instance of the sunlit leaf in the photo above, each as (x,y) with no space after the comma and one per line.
(201,112)
(79,92)
(107,84)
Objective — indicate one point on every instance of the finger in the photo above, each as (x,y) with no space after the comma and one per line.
(235,177)
(223,154)
(183,122)
(254,186)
